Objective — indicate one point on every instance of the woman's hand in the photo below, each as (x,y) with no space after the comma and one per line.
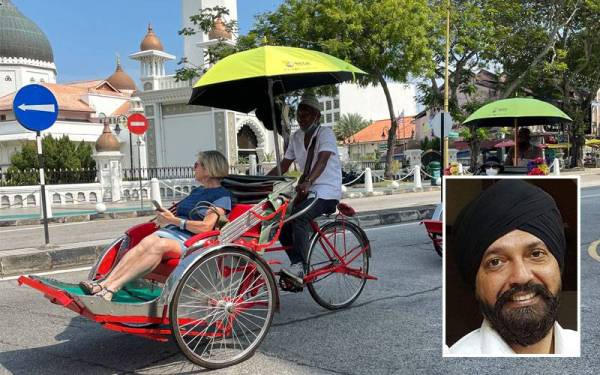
(166,217)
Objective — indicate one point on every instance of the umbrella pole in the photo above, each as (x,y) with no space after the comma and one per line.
(275,137)
(516,145)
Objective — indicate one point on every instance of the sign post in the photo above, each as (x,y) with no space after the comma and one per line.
(138,124)
(36,109)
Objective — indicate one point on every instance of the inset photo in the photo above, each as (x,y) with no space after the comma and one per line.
(511,267)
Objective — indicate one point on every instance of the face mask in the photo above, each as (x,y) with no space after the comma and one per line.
(311,128)
(491,171)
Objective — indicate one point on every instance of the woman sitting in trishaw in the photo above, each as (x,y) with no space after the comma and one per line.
(206,282)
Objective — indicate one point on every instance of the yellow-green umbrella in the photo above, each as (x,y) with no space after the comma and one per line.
(251,79)
(239,82)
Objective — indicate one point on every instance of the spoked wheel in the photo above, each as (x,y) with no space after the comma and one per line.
(339,285)
(223,307)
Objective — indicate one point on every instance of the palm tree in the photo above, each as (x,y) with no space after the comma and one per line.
(349,124)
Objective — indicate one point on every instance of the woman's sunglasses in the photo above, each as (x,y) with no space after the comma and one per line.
(197,164)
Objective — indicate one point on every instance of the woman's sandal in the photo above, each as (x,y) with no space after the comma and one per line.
(105,293)
(90,287)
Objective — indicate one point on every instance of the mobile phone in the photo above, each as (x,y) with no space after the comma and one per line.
(157,206)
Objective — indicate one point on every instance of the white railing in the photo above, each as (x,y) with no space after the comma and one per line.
(168,82)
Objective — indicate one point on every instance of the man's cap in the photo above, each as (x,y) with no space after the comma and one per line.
(310,100)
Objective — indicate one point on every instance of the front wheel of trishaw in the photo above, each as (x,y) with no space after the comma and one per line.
(338,286)
(223,307)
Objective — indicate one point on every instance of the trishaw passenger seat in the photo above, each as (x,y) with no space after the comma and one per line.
(236,211)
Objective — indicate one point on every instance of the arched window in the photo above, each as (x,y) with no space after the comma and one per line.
(56,198)
(4,202)
(31,200)
(80,197)
(93,197)
(18,201)
(68,198)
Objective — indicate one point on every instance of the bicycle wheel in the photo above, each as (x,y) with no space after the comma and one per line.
(341,286)
(223,307)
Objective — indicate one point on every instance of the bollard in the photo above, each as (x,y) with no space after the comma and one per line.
(368,180)
(461,171)
(48,206)
(417,174)
(253,167)
(555,167)
(155,190)
(344,189)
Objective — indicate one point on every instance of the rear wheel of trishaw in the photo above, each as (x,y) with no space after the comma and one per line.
(223,307)
(337,290)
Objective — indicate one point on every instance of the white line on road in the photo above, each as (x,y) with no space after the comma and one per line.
(47,273)
(590,196)
(392,226)
(54,225)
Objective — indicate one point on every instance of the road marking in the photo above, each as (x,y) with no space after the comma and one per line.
(391,226)
(60,225)
(593,250)
(48,273)
(590,196)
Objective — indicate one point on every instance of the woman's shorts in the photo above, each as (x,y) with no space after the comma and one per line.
(174,233)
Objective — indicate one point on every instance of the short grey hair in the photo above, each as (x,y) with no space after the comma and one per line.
(214,162)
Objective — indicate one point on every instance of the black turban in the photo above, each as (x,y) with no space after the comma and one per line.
(505,206)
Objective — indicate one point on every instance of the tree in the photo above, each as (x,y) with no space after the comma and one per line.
(552,55)
(348,125)
(59,154)
(386,38)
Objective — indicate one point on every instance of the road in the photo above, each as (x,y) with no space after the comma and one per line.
(393,328)
(32,236)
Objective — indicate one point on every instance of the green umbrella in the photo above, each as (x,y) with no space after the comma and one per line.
(250,79)
(516,112)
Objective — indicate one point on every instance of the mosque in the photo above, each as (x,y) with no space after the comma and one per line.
(177,131)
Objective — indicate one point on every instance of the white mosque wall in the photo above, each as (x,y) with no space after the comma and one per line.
(105,104)
(183,136)
(370,101)
(13,77)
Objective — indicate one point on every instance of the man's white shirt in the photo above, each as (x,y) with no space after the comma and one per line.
(329,183)
(485,341)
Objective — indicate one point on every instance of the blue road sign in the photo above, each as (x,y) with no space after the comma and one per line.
(35,107)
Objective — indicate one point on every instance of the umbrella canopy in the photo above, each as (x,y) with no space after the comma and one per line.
(507,143)
(239,81)
(526,111)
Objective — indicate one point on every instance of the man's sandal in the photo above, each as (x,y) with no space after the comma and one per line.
(90,287)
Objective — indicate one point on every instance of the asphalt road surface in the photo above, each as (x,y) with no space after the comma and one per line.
(393,328)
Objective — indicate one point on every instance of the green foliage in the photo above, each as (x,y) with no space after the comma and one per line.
(204,22)
(59,154)
(389,39)
(431,144)
(348,125)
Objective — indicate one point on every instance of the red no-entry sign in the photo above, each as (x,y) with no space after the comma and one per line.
(137,123)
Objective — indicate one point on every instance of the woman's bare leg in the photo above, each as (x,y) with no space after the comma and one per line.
(146,257)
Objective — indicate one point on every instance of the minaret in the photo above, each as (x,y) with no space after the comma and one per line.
(194,45)
(152,60)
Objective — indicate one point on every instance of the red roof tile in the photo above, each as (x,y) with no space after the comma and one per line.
(378,131)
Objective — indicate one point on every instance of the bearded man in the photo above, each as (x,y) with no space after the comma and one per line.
(510,247)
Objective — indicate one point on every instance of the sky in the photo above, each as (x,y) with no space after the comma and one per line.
(86,35)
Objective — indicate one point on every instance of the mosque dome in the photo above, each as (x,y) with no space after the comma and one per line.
(121,80)
(20,37)
(151,41)
(107,141)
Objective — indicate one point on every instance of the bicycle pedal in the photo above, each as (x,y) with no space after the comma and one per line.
(288,286)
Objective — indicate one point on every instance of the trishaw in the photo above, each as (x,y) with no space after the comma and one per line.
(218,300)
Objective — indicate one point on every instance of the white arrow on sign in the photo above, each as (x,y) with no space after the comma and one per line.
(137,123)
(37,107)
